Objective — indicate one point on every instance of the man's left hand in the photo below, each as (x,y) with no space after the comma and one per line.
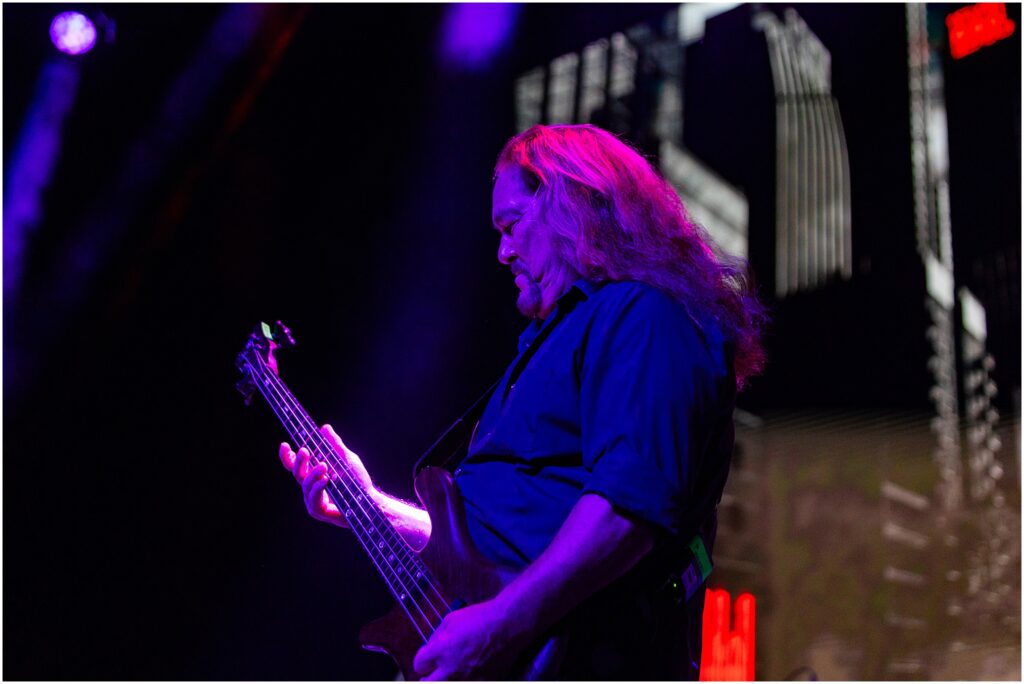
(472,643)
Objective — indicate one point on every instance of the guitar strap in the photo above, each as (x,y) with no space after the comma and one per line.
(450,447)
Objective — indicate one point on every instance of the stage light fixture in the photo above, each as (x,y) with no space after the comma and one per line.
(73,33)
(473,34)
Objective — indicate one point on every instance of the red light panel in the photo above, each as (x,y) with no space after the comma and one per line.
(974,27)
(727,654)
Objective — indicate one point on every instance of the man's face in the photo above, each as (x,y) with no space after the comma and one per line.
(526,245)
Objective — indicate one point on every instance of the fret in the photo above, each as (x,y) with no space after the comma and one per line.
(407,578)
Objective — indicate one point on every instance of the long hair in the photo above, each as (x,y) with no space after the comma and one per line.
(615,218)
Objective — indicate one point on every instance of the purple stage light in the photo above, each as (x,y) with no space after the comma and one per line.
(73,33)
(473,34)
(30,168)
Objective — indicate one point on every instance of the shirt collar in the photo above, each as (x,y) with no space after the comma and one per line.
(579,290)
(587,287)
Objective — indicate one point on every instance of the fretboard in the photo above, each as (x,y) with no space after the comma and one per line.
(401,568)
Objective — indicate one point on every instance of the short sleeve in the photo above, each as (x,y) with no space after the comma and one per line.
(648,397)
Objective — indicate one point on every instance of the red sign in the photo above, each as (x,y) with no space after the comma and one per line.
(974,27)
(727,650)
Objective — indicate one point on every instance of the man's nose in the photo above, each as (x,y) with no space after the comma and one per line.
(506,253)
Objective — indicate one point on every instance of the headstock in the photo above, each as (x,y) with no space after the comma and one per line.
(260,354)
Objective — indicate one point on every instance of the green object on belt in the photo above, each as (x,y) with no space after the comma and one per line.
(700,555)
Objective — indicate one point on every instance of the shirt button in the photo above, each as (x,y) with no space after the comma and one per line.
(511,387)
(458,471)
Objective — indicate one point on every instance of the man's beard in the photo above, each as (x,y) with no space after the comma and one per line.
(530,299)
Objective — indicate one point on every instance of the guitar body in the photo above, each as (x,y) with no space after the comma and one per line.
(465,577)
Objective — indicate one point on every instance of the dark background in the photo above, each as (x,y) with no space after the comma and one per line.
(149,529)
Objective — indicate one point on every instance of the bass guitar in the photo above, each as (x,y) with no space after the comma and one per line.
(447,574)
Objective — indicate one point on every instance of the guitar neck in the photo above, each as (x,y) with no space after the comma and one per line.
(393,557)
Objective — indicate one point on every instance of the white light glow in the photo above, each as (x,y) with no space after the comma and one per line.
(73,33)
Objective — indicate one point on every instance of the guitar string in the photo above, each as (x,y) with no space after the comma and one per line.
(398,552)
(388,531)
(404,552)
(296,434)
(327,454)
(309,436)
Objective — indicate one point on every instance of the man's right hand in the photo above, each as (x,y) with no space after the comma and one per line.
(314,480)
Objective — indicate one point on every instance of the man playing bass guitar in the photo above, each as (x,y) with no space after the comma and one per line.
(605,446)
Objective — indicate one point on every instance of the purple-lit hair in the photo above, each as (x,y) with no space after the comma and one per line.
(615,218)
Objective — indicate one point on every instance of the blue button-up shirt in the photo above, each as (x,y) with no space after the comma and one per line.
(619,392)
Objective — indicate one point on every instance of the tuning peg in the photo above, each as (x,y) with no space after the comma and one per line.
(283,336)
